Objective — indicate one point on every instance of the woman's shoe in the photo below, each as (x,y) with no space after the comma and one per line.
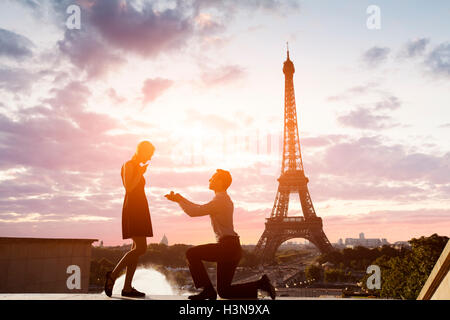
(133,293)
(267,286)
(109,284)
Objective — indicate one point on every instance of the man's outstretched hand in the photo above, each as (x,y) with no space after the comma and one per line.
(175,197)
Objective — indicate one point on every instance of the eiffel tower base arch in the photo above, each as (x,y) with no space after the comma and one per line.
(278,231)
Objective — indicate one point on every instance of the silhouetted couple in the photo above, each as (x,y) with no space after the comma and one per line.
(227,252)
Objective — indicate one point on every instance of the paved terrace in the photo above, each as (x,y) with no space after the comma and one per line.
(102,296)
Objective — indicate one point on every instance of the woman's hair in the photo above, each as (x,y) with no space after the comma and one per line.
(145,147)
(225,176)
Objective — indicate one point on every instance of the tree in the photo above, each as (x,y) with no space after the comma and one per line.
(313,273)
(98,271)
(249,259)
(404,276)
(358,258)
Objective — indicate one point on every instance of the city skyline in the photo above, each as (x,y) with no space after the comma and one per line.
(203,82)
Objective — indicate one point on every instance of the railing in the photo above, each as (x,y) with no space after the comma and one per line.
(293,219)
(286,219)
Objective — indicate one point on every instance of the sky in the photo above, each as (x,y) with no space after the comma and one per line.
(202,80)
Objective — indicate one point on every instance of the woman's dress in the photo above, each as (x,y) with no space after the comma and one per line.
(136,221)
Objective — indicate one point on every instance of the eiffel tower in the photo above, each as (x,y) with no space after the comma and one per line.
(280,227)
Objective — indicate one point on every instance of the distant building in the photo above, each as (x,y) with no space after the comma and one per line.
(164,240)
(402,244)
(290,245)
(125,247)
(339,244)
(365,242)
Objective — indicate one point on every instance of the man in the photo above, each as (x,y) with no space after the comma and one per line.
(226,252)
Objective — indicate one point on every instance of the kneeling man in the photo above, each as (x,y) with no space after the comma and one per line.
(227,252)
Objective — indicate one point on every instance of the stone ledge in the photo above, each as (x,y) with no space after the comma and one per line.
(102,296)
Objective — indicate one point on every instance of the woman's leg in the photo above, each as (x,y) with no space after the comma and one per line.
(130,257)
(140,246)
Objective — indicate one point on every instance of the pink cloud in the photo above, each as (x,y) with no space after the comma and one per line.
(63,136)
(112,94)
(16,80)
(211,121)
(153,88)
(87,52)
(14,46)
(147,32)
(222,75)
(371,159)
(365,118)
(320,141)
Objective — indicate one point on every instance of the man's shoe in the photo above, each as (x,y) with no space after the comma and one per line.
(133,293)
(206,294)
(109,284)
(267,286)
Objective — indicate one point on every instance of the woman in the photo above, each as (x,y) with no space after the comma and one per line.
(136,222)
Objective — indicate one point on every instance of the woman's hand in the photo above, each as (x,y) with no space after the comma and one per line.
(175,197)
(143,169)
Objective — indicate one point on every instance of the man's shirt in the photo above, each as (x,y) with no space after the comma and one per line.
(220,210)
